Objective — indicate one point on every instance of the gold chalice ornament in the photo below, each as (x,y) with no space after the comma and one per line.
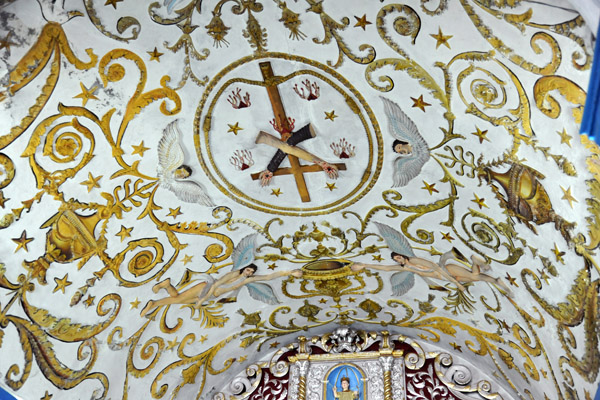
(333,278)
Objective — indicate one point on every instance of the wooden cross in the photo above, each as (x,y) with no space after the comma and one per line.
(281,120)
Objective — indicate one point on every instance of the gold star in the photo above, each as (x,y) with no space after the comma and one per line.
(235,128)
(377,257)
(276,192)
(456,346)
(22,241)
(112,3)
(361,22)
(331,186)
(567,196)
(274,344)
(124,233)
(543,275)
(482,135)
(139,149)
(172,344)
(242,359)
(564,137)
(203,338)
(330,115)
(323,301)
(86,94)
(155,54)
(2,199)
(91,182)
(423,336)
(61,284)
(511,280)
(351,299)
(134,304)
(558,254)
(272,266)
(479,202)
(446,236)
(187,259)
(441,38)
(47,396)
(6,43)
(174,212)
(419,103)
(89,301)
(430,188)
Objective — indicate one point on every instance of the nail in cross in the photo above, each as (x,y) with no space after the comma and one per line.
(281,120)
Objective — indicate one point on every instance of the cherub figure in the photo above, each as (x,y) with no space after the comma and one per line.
(226,288)
(173,173)
(410,146)
(408,264)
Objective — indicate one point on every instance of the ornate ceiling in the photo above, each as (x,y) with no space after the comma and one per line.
(152,151)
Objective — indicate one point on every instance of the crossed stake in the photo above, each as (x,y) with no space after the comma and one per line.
(288,148)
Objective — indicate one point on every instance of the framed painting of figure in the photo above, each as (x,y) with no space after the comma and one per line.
(345,382)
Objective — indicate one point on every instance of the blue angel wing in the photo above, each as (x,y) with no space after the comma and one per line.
(243,253)
(401,127)
(402,282)
(395,240)
(408,167)
(262,292)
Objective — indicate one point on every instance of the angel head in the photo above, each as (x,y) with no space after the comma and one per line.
(248,270)
(402,147)
(182,172)
(401,259)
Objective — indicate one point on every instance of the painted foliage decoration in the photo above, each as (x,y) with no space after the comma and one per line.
(186,186)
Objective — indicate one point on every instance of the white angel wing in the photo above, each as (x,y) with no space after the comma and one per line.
(408,167)
(395,240)
(243,253)
(401,127)
(402,282)
(170,152)
(188,191)
(262,292)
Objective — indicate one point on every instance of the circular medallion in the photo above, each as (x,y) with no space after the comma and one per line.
(287,135)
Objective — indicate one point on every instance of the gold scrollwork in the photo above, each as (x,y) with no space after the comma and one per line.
(123,24)
(567,88)
(331,27)
(52,41)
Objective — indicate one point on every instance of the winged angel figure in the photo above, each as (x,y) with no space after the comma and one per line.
(226,288)
(410,146)
(408,264)
(171,169)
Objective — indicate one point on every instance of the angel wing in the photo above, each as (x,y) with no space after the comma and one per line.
(243,253)
(402,282)
(262,292)
(401,127)
(395,240)
(189,191)
(170,152)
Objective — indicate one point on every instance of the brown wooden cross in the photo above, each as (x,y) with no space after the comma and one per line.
(281,120)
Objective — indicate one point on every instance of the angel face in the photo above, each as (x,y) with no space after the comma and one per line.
(400,259)
(401,147)
(182,172)
(248,272)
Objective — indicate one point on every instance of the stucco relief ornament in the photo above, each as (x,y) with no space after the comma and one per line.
(344,339)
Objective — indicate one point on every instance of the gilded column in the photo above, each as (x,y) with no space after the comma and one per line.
(303,369)
(387,362)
